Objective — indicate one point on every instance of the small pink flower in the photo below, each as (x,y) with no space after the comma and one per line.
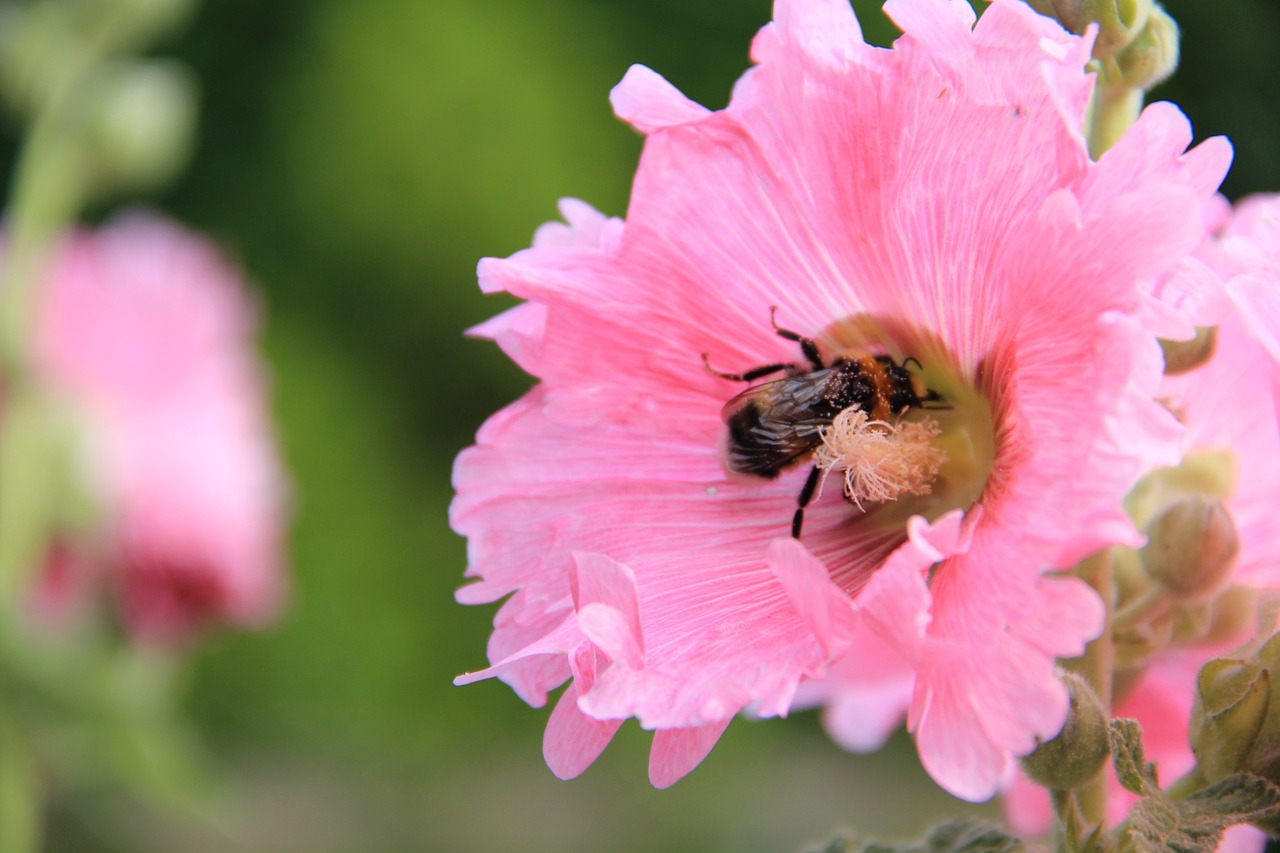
(934,203)
(145,333)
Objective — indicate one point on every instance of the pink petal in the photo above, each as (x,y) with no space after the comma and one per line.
(864,695)
(826,30)
(608,611)
(1258,298)
(954,747)
(1242,838)
(675,752)
(896,602)
(863,720)
(573,741)
(649,103)
(941,27)
(584,227)
(808,584)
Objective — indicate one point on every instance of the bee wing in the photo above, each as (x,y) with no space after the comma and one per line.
(776,423)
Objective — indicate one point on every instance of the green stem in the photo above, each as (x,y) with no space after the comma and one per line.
(19,797)
(46,196)
(47,192)
(1065,813)
(1097,667)
(1154,603)
(49,178)
(1187,784)
(1112,110)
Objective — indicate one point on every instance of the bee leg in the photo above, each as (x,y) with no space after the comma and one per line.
(750,375)
(806,495)
(807,346)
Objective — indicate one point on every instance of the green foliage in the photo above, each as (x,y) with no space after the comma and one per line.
(953,836)
(1133,771)
(1159,822)
(1196,824)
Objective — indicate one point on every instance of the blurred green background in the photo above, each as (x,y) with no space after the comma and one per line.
(357,158)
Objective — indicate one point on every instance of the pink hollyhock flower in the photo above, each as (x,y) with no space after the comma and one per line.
(145,333)
(932,204)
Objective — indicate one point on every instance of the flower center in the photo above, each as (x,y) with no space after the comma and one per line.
(879,460)
(940,454)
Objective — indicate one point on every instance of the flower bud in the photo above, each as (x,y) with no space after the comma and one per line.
(1152,55)
(118,27)
(1190,548)
(1231,704)
(150,20)
(1119,22)
(1185,356)
(143,125)
(47,48)
(1209,473)
(1263,756)
(1074,757)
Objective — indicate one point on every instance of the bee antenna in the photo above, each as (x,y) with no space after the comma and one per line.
(912,359)
(935,397)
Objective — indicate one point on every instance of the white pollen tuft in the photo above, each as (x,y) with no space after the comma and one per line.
(880,460)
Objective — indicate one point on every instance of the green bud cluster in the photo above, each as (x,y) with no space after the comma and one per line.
(1137,42)
(115,123)
(1149,57)
(1191,547)
(141,124)
(1176,590)
(1235,721)
(1119,21)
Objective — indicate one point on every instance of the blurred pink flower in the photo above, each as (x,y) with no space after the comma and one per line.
(934,202)
(1250,249)
(146,334)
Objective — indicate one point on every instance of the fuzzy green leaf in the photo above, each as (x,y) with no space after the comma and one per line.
(1196,824)
(1239,798)
(839,844)
(1132,769)
(960,835)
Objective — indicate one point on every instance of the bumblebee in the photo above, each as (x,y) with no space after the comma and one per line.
(779,423)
